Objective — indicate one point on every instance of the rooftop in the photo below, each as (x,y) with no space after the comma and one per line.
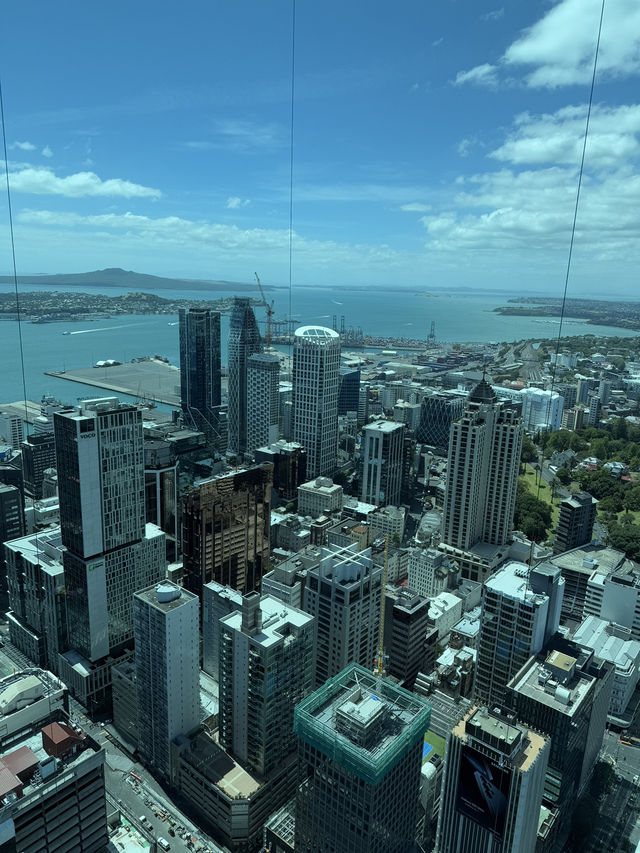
(277,617)
(317,333)
(512,581)
(363,722)
(384,426)
(535,682)
(606,642)
(165,596)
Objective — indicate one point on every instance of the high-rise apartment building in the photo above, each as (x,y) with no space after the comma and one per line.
(225,529)
(575,522)
(110,552)
(564,692)
(266,668)
(541,410)
(200,371)
(289,461)
(520,612)
(166,627)
(11,430)
(482,478)
(316,381)
(263,399)
(382,466)
(244,341)
(360,740)
(405,631)
(344,593)
(595,410)
(492,786)
(218,601)
(12,525)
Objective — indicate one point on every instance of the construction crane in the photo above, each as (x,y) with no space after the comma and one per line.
(379,670)
(269,309)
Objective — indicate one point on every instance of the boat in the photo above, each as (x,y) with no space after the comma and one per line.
(66,333)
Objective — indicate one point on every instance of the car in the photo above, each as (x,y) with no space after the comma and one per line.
(636,778)
(164,843)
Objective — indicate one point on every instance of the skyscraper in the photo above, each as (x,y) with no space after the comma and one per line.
(316,380)
(200,394)
(266,668)
(349,394)
(575,522)
(344,593)
(437,413)
(263,400)
(225,529)
(166,629)
(382,467)
(360,740)
(492,787)
(244,341)
(520,613)
(564,692)
(109,551)
(482,478)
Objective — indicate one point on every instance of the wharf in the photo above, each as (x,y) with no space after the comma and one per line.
(28,411)
(147,380)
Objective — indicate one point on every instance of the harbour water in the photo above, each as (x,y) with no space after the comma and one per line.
(458,317)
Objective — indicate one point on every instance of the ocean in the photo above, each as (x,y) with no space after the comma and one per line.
(460,317)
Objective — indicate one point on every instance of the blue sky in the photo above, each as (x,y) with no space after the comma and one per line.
(436,145)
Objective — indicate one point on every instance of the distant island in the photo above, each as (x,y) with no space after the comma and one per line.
(624,315)
(116,277)
(55,305)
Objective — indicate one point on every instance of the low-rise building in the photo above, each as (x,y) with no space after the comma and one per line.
(319,497)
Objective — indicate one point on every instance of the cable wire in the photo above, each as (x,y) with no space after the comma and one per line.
(291,141)
(573,226)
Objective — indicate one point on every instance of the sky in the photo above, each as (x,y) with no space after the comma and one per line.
(435,145)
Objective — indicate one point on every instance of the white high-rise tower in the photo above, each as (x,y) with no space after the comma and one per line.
(316,382)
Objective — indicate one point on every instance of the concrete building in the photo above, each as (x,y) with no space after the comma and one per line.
(263,400)
(266,668)
(244,341)
(37,597)
(492,787)
(360,749)
(320,497)
(587,563)
(595,409)
(430,571)
(110,551)
(388,521)
(316,382)
(225,529)
(541,410)
(52,792)
(200,372)
(344,594)
(482,477)
(445,610)
(520,613)
(166,627)
(575,522)
(565,694)
(614,595)
(11,430)
(573,418)
(12,526)
(614,644)
(217,601)
(161,492)
(382,463)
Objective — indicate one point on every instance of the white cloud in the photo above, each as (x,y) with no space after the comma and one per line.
(47,152)
(199,145)
(558,50)
(23,146)
(481,75)
(437,42)
(614,137)
(40,181)
(234,202)
(494,15)
(246,136)
(131,231)
(415,207)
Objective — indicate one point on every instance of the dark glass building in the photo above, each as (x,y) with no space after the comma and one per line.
(244,341)
(349,393)
(200,393)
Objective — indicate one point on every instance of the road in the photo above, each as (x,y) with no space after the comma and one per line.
(144,797)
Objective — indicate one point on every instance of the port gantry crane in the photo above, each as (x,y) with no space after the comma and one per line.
(270,312)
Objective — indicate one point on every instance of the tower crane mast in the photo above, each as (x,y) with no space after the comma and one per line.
(269,309)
